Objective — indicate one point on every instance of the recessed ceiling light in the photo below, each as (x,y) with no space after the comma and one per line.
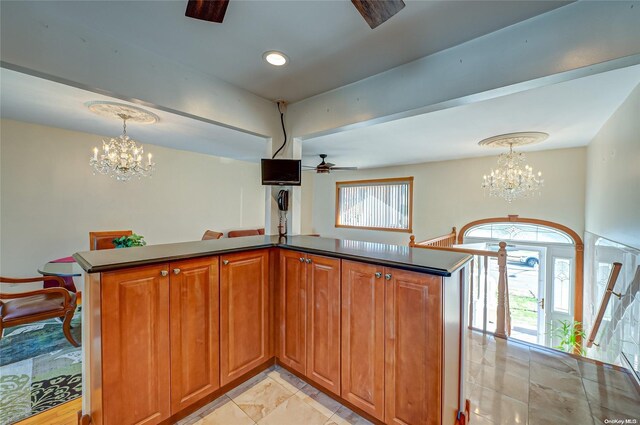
(275,58)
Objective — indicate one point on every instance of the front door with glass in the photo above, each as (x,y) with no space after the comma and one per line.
(540,270)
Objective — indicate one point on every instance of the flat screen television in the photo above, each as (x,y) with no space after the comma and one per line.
(281,172)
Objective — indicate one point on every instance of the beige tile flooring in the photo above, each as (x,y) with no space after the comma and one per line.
(507,383)
(274,397)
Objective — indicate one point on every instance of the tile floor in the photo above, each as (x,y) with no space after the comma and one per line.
(511,383)
(508,383)
(274,397)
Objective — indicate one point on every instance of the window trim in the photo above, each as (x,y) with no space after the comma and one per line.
(369,182)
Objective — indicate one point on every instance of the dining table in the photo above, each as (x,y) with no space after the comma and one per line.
(66,268)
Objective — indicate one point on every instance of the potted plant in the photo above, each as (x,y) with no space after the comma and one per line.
(129,241)
(569,332)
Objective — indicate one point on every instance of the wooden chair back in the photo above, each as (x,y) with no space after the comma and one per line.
(104,240)
(210,234)
(248,232)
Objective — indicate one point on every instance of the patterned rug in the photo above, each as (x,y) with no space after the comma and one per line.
(39,369)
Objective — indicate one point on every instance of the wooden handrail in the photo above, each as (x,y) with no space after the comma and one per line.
(480,252)
(503,314)
(613,277)
(444,241)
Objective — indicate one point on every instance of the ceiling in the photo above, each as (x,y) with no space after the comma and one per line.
(330,45)
(328,42)
(571,112)
(27,98)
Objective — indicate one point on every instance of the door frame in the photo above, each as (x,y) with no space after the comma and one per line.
(577,243)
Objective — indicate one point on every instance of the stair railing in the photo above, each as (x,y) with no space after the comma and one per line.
(479,268)
(613,277)
(444,241)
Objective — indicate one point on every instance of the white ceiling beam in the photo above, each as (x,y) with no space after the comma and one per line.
(74,54)
(574,41)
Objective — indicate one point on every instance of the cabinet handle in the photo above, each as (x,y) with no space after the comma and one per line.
(387,276)
(176,271)
(378,275)
(301,260)
(164,273)
(308,260)
(225,262)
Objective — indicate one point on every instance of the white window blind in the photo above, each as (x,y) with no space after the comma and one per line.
(375,204)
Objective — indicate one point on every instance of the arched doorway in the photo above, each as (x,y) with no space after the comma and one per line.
(548,253)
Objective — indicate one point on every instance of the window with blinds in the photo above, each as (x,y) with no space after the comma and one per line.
(384,204)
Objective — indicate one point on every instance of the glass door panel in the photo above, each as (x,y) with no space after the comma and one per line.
(561,288)
(526,291)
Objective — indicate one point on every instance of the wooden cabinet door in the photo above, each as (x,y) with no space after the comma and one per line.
(194,331)
(413,348)
(292,310)
(363,337)
(135,346)
(244,319)
(323,322)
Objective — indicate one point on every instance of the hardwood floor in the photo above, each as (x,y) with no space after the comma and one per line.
(65,414)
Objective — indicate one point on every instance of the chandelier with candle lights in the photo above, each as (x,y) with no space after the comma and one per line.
(122,157)
(513,178)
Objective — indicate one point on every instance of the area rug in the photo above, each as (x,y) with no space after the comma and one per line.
(39,369)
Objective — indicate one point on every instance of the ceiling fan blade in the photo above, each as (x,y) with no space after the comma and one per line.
(344,168)
(376,12)
(207,10)
(329,164)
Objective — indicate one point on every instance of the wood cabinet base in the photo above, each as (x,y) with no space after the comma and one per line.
(384,342)
(86,419)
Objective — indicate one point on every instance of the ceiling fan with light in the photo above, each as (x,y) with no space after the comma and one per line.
(375,12)
(327,167)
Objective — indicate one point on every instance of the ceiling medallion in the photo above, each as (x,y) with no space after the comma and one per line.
(122,157)
(514,139)
(513,179)
(116,110)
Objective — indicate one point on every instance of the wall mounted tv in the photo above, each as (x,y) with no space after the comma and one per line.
(281,172)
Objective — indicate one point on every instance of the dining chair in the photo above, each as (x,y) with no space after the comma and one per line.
(248,232)
(104,240)
(33,306)
(210,234)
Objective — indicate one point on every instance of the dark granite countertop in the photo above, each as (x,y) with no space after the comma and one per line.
(441,263)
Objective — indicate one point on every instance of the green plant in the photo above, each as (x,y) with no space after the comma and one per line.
(129,241)
(569,333)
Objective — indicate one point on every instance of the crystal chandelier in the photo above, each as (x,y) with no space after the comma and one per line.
(513,178)
(121,157)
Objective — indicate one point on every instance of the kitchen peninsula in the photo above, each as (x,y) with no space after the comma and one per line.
(168,328)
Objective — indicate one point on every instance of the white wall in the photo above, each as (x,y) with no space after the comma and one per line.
(51,200)
(307,201)
(613,176)
(448,193)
